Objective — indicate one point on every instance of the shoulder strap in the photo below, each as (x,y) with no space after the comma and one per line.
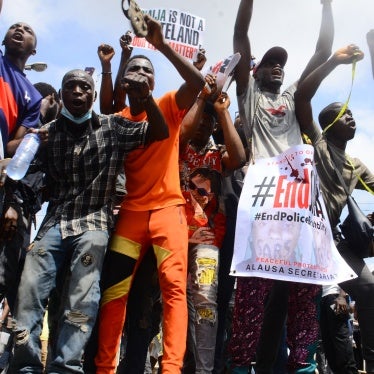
(338,173)
(359,177)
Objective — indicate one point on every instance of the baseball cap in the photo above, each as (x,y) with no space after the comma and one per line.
(277,54)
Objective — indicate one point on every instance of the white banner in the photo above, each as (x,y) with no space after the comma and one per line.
(224,69)
(184,31)
(282,229)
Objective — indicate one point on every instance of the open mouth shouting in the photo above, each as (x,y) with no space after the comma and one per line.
(17,37)
(277,72)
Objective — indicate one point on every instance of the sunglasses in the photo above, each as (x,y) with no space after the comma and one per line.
(200,191)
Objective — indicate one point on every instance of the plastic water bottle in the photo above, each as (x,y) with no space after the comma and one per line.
(21,160)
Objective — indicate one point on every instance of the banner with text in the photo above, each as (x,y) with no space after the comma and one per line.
(282,229)
(184,31)
(223,70)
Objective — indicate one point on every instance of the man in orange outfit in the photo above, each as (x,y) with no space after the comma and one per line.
(151,214)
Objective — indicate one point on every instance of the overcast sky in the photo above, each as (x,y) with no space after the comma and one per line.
(70,31)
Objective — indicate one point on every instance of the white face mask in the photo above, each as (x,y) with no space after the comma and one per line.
(77,120)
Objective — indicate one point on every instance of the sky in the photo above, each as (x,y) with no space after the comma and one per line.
(70,31)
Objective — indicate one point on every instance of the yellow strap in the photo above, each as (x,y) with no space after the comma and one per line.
(359,177)
(345,106)
(342,111)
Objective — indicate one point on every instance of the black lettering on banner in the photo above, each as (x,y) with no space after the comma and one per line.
(157,14)
(201,26)
(185,36)
(188,36)
(224,65)
(168,30)
(187,20)
(182,30)
(173,16)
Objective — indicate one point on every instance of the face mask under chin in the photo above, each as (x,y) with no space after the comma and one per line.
(77,120)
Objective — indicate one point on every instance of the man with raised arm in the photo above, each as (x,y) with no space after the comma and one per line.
(19,110)
(270,125)
(83,154)
(339,128)
(152,213)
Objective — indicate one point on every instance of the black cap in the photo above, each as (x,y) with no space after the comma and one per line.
(277,54)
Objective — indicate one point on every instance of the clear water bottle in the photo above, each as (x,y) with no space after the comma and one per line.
(21,160)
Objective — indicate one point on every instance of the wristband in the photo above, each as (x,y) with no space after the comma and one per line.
(202,97)
(106,72)
(206,89)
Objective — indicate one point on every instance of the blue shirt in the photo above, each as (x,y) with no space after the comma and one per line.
(19,100)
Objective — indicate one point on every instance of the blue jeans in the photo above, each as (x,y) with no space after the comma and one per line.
(80,259)
(203,268)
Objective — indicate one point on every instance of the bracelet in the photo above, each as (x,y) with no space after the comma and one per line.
(206,89)
(106,72)
(201,97)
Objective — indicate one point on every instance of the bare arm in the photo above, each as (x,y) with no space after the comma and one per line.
(12,145)
(370,41)
(234,157)
(308,87)
(119,92)
(324,42)
(242,44)
(193,117)
(137,86)
(200,59)
(194,81)
(106,53)
(191,121)
(158,129)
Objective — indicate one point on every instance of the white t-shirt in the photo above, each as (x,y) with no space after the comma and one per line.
(269,119)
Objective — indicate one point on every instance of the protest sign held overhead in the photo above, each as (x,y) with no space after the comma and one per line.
(282,229)
(184,31)
(224,70)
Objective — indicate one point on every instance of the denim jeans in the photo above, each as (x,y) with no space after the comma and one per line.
(82,256)
(203,268)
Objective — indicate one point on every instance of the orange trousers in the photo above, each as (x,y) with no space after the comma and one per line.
(166,230)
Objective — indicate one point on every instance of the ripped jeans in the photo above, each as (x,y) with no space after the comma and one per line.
(203,260)
(73,265)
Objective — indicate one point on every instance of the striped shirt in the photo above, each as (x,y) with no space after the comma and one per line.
(81,171)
